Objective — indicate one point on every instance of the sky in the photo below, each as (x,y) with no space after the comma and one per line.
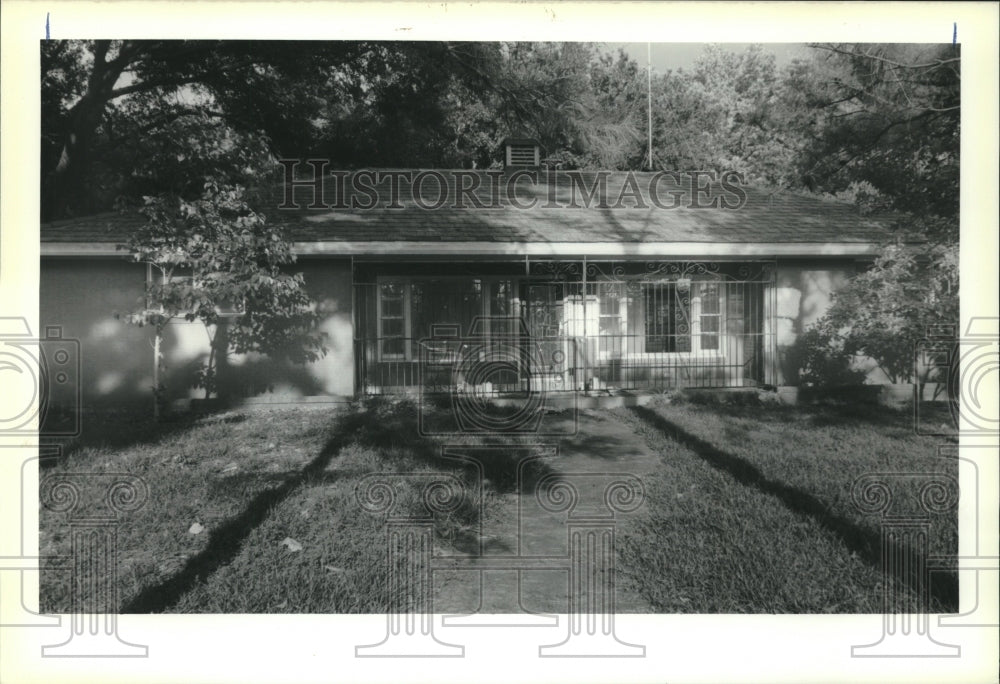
(673,56)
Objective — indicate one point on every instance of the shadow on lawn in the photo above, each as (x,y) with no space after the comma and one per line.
(393,425)
(865,543)
(224,542)
(120,429)
(379,424)
(819,414)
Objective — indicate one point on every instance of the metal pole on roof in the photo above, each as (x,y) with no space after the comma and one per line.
(649,100)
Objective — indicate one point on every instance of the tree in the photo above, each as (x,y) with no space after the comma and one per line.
(884,312)
(102,99)
(886,134)
(582,106)
(729,113)
(391,104)
(887,116)
(216,259)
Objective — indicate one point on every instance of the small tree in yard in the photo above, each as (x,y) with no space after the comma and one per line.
(216,253)
(883,312)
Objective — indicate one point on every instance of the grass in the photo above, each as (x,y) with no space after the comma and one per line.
(748,507)
(252,479)
(206,470)
(751,509)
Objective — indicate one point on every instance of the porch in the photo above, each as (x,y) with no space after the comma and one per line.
(496,327)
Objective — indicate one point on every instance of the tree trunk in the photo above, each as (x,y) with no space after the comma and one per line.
(64,185)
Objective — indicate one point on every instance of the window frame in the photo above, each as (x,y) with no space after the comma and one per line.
(718,315)
(407,282)
(407,354)
(156,276)
(695,332)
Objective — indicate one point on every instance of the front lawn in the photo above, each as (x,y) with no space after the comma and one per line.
(271,495)
(751,510)
(748,507)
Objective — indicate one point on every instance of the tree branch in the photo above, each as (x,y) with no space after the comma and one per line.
(867,55)
(151,85)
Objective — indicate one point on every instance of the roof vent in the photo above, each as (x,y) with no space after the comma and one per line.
(522,152)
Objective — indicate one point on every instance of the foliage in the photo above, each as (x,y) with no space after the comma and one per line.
(887,116)
(585,107)
(885,135)
(214,253)
(883,312)
(356,102)
(730,113)
(822,359)
(107,104)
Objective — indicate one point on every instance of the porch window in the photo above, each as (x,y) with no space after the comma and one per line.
(184,279)
(612,311)
(710,314)
(409,308)
(444,301)
(392,319)
(668,315)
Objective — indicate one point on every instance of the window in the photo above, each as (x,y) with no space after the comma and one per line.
(187,294)
(502,306)
(682,316)
(667,309)
(444,301)
(409,308)
(711,315)
(612,310)
(392,321)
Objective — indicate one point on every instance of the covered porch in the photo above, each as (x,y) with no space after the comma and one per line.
(575,324)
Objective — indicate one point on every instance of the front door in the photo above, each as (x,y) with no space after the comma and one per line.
(550,360)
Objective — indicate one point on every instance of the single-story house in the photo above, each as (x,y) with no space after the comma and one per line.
(572,281)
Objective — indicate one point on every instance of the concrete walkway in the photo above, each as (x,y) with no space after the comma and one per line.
(522,565)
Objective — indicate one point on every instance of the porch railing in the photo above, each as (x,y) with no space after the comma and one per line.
(634,327)
(596,363)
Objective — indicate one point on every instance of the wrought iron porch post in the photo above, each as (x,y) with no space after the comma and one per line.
(586,336)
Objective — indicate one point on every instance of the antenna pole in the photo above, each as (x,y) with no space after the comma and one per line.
(649,100)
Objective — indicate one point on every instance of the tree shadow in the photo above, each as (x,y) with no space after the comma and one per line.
(225,541)
(820,413)
(867,544)
(392,424)
(380,424)
(124,428)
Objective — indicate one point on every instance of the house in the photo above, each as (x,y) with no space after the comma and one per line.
(502,280)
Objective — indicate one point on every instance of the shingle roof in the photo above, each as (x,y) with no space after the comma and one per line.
(764,217)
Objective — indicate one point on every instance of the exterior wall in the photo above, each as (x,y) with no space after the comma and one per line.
(82,295)
(803,294)
(328,282)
